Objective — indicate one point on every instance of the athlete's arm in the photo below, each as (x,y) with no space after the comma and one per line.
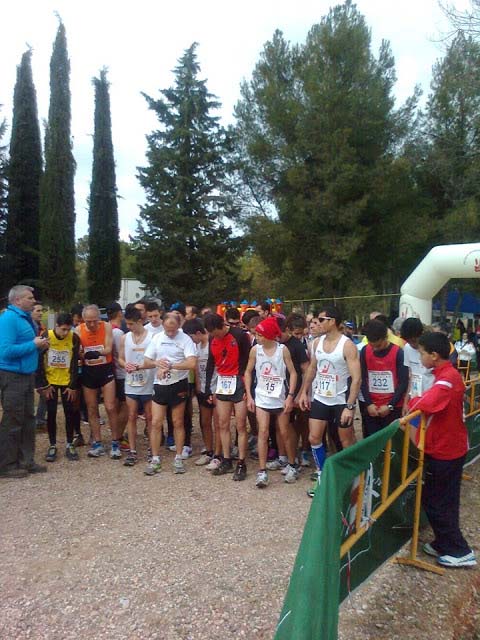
(185,365)
(248,378)
(303,399)
(108,347)
(292,383)
(350,353)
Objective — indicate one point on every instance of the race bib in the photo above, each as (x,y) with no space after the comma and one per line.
(137,378)
(226,385)
(202,371)
(170,377)
(95,361)
(416,386)
(326,385)
(270,386)
(380,382)
(58,359)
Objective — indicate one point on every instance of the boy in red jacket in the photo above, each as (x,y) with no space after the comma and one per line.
(446,445)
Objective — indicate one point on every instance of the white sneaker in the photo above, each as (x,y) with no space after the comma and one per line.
(186,453)
(213,464)
(203,460)
(262,479)
(178,466)
(292,475)
(172,447)
(452,561)
(274,465)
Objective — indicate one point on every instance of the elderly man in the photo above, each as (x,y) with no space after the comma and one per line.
(19,348)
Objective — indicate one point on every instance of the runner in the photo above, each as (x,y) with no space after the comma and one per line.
(139,381)
(57,373)
(271,362)
(96,338)
(420,378)
(229,350)
(173,354)
(154,315)
(384,378)
(335,367)
(196,330)
(115,317)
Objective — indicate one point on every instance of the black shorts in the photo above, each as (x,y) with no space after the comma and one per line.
(171,395)
(203,400)
(120,389)
(272,412)
(329,413)
(239,394)
(97,376)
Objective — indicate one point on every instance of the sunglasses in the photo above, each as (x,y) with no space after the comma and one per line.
(322,318)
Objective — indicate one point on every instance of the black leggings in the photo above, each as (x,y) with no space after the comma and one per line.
(72,415)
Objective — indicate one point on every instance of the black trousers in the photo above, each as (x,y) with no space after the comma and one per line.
(441,502)
(72,415)
(17,428)
(372,425)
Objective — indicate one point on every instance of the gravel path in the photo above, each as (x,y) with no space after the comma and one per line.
(98,550)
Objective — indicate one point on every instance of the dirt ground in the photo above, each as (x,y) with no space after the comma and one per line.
(96,550)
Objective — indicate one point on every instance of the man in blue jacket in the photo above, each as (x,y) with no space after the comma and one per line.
(19,349)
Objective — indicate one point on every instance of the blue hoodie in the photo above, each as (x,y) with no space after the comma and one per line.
(18,352)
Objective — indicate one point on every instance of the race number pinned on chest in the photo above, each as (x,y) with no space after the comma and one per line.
(380,382)
(137,378)
(326,385)
(226,385)
(416,386)
(58,359)
(270,386)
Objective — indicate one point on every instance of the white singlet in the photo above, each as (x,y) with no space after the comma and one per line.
(421,378)
(202,354)
(174,350)
(271,372)
(138,383)
(332,374)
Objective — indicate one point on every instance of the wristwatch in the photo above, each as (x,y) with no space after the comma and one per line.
(390,407)
(350,406)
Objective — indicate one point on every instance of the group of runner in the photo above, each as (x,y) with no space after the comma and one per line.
(294,380)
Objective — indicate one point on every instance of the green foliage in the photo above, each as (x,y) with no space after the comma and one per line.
(183,249)
(103,272)
(21,261)
(57,208)
(317,135)
(451,168)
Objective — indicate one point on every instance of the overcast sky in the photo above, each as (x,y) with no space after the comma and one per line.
(140,43)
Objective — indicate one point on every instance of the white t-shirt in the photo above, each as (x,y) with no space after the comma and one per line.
(174,350)
(153,330)
(421,378)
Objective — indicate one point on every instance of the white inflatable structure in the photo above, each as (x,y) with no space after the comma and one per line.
(433,272)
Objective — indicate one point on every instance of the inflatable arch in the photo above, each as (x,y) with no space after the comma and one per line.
(436,269)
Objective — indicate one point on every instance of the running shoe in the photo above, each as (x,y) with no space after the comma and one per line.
(304,459)
(170,442)
(115,453)
(178,466)
(124,444)
(78,440)
(172,447)
(314,476)
(240,472)
(51,454)
(152,468)
(213,464)
(292,475)
(273,465)
(102,422)
(186,452)
(96,450)
(430,550)
(149,454)
(71,453)
(468,560)
(204,459)
(131,459)
(262,480)
(224,467)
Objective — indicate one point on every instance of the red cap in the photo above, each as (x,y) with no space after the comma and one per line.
(269,329)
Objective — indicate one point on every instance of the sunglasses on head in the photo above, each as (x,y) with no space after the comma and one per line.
(322,318)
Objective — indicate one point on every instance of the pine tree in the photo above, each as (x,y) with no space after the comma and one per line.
(103,271)
(184,250)
(57,207)
(21,262)
(317,124)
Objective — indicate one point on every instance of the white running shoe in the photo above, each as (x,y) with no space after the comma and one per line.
(292,475)
(186,453)
(178,466)
(213,464)
(203,460)
(262,480)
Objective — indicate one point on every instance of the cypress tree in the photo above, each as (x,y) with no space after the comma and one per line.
(21,262)
(3,191)
(183,249)
(57,208)
(103,271)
